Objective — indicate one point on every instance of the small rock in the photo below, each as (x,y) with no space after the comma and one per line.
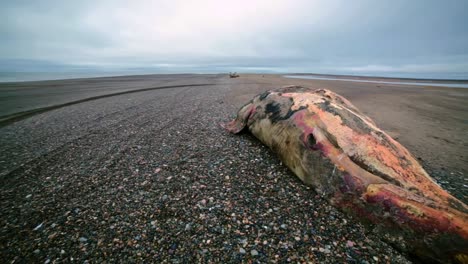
(38,227)
(83,239)
(349,243)
(243,241)
(241,250)
(325,250)
(47,261)
(375,258)
(173,247)
(283,226)
(37,251)
(62,251)
(254,252)
(28,196)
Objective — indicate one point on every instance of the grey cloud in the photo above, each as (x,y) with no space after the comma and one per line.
(325,36)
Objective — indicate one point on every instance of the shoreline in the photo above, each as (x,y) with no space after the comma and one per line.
(379,80)
(91,75)
(382,77)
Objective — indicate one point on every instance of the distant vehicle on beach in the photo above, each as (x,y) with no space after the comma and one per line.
(233,75)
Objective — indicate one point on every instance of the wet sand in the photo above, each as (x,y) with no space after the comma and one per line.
(393,81)
(137,168)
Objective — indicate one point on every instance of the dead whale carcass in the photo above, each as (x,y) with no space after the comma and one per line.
(333,147)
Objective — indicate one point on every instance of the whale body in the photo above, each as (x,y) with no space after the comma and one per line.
(341,153)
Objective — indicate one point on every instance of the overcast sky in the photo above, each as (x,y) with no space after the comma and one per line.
(334,36)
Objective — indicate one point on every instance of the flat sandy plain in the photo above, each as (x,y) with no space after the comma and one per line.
(137,168)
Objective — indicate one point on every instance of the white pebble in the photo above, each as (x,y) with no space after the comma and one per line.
(38,227)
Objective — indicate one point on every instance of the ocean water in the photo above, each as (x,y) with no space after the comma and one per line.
(453,84)
(42,76)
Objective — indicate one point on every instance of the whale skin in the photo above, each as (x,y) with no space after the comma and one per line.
(341,153)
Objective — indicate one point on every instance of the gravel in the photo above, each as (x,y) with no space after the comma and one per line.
(152,177)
